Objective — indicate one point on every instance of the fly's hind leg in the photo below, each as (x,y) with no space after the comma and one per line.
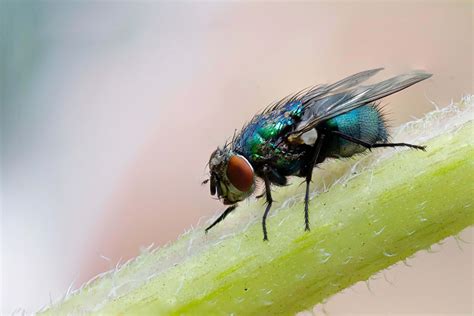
(370,146)
(309,174)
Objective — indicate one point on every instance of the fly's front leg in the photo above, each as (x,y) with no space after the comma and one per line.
(268,195)
(222,216)
(309,175)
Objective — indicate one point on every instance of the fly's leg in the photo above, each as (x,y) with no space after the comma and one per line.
(370,146)
(309,174)
(268,195)
(260,196)
(222,216)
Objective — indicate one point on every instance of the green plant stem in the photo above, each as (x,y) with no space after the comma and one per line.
(391,208)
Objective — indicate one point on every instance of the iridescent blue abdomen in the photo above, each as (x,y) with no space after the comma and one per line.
(365,123)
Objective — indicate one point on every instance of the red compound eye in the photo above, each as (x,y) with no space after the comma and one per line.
(240,173)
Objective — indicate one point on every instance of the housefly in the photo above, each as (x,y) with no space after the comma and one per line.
(293,135)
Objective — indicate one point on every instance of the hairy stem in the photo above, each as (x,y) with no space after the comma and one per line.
(380,209)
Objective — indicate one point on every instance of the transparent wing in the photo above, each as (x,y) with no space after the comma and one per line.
(345,96)
(312,93)
(339,86)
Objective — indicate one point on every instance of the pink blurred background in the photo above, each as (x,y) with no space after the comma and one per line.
(110,111)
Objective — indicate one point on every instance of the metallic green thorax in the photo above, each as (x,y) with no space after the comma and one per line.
(260,139)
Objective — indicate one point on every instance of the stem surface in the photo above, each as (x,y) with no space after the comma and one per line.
(380,209)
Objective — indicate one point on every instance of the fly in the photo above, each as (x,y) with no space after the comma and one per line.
(293,135)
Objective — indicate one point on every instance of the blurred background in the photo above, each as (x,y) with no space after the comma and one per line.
(109,111)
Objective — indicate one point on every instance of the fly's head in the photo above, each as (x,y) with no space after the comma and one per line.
(231,176)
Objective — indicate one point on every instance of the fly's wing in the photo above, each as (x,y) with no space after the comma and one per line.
(339,86)
(344,96)
(316,92)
